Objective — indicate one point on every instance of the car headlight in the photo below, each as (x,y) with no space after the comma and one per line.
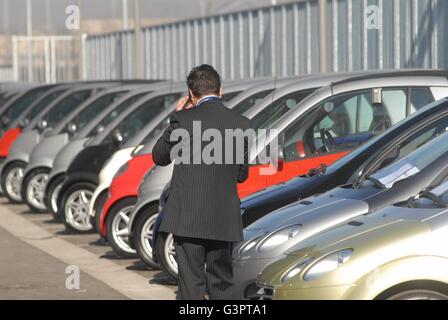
(328,263)
(296,269)
(278,238)
(250,244)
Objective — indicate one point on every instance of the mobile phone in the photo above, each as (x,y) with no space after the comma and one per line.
(187,102)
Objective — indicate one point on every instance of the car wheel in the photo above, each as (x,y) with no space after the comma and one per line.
(117,226)
(33,189)
(75,207)
(52,196)
(12,181)
(99,204)
(166,254)
(143,235)
(419,294)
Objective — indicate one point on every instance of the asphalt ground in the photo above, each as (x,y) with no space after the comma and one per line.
(39,259)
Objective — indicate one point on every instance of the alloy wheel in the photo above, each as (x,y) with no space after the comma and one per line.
(146,235)
(36,190)
(170,253)
(120,229)
(77,210)
(13,182)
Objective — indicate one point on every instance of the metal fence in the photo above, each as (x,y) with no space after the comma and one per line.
(45,59)
(6,73)
(282,40)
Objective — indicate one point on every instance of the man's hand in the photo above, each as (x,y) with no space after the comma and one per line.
(184,103)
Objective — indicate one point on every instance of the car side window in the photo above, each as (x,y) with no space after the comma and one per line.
(420,97)
(346,117)
(394,103)
(278,108)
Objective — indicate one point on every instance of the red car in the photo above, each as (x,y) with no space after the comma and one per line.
(122,197)
(7,140)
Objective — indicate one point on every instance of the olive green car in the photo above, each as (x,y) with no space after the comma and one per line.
(400,252)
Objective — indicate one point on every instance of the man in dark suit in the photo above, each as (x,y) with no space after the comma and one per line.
(203,209)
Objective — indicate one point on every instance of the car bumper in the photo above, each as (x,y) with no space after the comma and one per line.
(318,293)
(245,272)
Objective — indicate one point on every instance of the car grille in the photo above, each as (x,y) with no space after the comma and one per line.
(264,293)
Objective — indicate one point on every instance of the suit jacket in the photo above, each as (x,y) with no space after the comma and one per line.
(203,202)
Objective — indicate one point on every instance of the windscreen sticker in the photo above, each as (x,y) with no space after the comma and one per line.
(440,190)
(404,172)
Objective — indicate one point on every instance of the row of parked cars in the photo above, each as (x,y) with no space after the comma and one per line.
(357,208)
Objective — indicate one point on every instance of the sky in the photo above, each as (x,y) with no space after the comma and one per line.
(49,15)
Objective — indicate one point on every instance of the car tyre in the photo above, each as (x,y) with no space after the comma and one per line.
(33,188)
(99,205)
(51,196)
(166,255)
(118,220)
(75,207)
(419,294)
(12,181)
(142,235)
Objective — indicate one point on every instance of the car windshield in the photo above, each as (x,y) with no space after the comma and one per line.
(18,106)
(249,102)
(95,108)
(411,164)
(229,96)
(46,101)
(66,105)
(111,116)
(266,117)
(136,120)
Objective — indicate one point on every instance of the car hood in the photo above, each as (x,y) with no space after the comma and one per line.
(304,211)
(377,229)
(376,239)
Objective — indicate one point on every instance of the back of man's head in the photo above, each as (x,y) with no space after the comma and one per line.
(204,80)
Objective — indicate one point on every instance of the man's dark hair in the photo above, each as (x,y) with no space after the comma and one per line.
(204,80)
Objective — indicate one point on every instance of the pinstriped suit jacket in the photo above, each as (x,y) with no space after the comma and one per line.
(203,202)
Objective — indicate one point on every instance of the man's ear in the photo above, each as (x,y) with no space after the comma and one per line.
(190,93)
(220,92)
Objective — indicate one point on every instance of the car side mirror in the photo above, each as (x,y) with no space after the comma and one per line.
(5,120)
(99,129)
(72,128)
(275,152)
(117,137)
(23,123)
(42,124)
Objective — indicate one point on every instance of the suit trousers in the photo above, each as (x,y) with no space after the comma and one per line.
(205,267)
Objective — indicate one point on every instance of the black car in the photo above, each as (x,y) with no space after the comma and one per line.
(348,168)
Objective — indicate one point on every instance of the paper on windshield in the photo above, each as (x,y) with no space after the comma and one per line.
(440,190)
(404,172)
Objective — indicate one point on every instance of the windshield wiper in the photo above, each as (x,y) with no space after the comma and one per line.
(437,200)
(317,171)
(375,181)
